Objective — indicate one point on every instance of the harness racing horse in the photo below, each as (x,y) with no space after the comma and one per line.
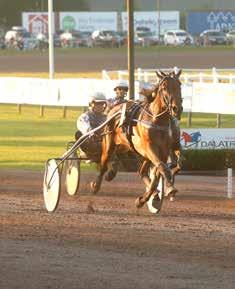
(150,135)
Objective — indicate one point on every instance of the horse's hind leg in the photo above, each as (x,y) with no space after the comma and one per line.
(144,172)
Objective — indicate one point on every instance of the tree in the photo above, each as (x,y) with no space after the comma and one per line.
(11,11)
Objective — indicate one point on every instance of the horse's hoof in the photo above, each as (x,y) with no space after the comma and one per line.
(94,187)
(170,191)
(110,175)
(172,198)
(138,203)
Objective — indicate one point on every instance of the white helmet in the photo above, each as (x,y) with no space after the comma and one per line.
(97,97)
(121,83)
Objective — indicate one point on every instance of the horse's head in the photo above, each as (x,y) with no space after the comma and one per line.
(169,92)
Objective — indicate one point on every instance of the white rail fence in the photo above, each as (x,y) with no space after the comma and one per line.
(213,75)
(203,97)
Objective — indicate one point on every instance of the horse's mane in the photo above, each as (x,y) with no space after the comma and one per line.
(148,93)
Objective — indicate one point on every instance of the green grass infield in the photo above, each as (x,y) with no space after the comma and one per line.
(27,139)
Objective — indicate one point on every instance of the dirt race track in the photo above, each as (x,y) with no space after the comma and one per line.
(97,60)
(191,244)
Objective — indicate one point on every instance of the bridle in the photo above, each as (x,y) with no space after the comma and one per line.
(166,100)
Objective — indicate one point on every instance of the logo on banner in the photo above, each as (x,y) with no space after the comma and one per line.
(224,21)
(191,139)
(69,23)
(207,140)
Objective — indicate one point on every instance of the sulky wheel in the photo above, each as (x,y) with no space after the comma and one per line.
(72,175)
(154,203)
(51,185)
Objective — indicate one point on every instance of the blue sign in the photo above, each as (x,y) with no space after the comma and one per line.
(218,20)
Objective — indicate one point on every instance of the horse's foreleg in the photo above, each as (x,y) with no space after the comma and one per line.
(151,184)
(169,180)
(107,152)
(164,171)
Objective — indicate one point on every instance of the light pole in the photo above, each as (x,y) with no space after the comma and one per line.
(131,70)
(50,38)
(159,20)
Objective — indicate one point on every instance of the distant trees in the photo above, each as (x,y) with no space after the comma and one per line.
(71,5)
(10,11)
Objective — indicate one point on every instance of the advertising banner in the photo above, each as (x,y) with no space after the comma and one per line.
(168,20)
(36,22)
(88,21)
(219,20)
(204,138)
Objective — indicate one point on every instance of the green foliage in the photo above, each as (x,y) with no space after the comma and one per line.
(211,160)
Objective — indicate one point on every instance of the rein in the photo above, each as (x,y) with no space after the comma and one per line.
(155,116)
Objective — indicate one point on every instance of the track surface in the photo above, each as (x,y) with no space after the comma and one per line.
(191,244)
(97,60)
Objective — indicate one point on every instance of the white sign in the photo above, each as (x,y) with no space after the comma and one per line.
(204,138)
(88,21)
(168,20)
(213,98)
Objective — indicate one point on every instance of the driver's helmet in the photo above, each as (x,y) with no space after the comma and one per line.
(97,97)
(121,84)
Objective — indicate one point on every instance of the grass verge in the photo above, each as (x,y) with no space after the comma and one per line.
(28,140)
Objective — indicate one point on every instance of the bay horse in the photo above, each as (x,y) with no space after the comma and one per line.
(150,134)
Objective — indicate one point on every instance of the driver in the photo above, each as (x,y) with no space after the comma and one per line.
(89,120)
(121,89)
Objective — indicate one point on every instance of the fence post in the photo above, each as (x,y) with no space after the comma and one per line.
(42,111)
(214,75)
(229,176)
(64,111)
(139,73)
(189,120)
(19,108)
(200,77)
(218,120)
(230,183)
(230,78)
(146,76)
(119,74)
(105,74)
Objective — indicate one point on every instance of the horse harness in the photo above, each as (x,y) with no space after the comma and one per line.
(129,119)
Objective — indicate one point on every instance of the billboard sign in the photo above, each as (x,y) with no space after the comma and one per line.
(218,20)
(168,20)
(205,138)
(35,22)
(88,21)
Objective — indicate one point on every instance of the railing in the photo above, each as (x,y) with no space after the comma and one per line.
(213,75)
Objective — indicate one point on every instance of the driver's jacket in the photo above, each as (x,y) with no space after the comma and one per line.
(89,120)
